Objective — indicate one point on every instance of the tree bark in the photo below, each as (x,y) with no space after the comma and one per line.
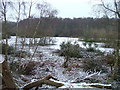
(7,76)
(116,70)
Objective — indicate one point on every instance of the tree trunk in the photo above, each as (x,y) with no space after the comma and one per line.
(116,71)
(65,64)
(7,76)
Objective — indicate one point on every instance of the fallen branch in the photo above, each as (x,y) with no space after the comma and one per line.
(101,86)
(33,84)
(49,77)
(43,81)
(52,83)
(57,84)
(91,75)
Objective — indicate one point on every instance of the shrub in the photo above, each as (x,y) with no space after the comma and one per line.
(22,54)
(91,49)
(109,59)
(94,66)
(46,41)
(28,67)
(15,66)
(4,36)
(23,68)
(70,50)
(89,46)
(108,45)
(10,49)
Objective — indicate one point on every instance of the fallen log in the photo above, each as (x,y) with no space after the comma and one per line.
(33,84)
(49,77)
(57,84)
(52,83)
(43,81)
(101,86)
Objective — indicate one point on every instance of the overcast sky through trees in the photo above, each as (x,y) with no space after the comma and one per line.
(70,8)
(74,8)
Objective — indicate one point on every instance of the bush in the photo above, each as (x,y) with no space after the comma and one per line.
(91,49)
(46,41)
(28,67)
(42,41)
(70,50)
(109,61)
(94,66)
(15,66)
(10,49)
(89,46)
(4,36)
(23,68)
(22,54)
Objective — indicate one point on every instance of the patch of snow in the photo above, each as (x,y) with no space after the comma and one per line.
(1,58)
(53,63)
(58,41)
(96,73)
(78,85)
(106,50)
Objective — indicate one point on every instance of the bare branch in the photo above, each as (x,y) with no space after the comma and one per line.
(117,9)
(107,7)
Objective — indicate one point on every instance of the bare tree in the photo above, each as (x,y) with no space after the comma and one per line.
(6,72)
(116,10)
(17,8)
(29,16)
(45,10)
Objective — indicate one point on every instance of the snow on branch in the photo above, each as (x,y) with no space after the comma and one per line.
(49,80)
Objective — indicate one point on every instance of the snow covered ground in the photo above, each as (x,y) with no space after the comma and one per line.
(58,41)
(53,63)
(80,85)
(1,58)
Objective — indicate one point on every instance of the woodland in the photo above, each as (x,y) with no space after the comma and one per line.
(50,52)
